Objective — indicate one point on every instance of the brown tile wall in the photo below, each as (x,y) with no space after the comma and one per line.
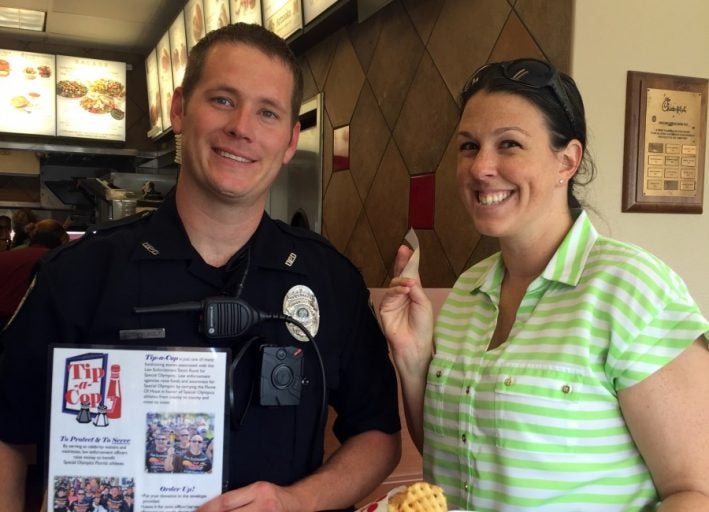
(394,79)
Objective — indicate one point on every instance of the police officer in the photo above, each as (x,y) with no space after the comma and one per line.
(236,112)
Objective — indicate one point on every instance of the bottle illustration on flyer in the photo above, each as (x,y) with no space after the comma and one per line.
(142,428)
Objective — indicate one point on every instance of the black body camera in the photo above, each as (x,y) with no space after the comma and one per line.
(281,375)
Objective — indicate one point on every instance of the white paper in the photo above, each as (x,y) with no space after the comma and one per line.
(161,393)
(412,267)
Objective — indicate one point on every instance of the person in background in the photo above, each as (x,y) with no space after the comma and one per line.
(5,232)
(20,220)
(18,267)
(568,371)
(237,112)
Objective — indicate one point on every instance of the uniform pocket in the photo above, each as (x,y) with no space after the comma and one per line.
(537,408)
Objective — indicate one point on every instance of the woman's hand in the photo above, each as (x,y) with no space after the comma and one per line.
(407,320)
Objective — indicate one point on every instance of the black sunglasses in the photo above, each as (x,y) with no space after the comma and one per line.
(532,73)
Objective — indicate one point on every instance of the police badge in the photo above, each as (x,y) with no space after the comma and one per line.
(301,304)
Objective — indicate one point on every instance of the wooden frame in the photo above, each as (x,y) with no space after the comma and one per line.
(665,139)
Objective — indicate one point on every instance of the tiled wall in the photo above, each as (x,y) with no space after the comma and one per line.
(394,80)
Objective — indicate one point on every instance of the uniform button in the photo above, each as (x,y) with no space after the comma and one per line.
(467,390)
(508,381)
(439,373)
(566,389)
(465,438)
(465,486)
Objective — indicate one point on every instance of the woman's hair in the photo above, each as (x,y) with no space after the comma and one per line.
(251,35)
(556,96)
(48,233)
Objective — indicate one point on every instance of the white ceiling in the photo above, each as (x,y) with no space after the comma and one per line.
(132,26)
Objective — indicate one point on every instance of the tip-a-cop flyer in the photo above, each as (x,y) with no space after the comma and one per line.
(136,429)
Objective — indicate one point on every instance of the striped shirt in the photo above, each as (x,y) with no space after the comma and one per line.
(535,424)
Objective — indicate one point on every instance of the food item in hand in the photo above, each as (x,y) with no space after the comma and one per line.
(4,67)
(19,102)
(419,497)
(71,89)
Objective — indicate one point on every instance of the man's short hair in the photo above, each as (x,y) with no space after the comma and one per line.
(251,35)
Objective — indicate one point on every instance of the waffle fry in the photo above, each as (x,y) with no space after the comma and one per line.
(419,497)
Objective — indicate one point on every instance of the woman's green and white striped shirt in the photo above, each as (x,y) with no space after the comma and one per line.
(534,424)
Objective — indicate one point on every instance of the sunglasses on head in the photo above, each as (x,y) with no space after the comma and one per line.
(532,73)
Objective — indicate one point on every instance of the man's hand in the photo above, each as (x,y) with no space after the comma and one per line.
(257,497)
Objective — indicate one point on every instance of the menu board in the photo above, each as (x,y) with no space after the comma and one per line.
(314,8)
(246,11)
(165,79)
(91,98)
(151,78)
(27,90)
(216,14)
(283,17)
(194,22)
(178,44)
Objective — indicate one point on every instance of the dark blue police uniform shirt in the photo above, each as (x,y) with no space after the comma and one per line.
(86,292)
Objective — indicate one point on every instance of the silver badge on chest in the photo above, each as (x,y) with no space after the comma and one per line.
(301,304)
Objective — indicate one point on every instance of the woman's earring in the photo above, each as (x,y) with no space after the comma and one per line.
(561,181)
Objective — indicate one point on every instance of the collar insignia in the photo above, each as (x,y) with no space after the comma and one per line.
(148,247)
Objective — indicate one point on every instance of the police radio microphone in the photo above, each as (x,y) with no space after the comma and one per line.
(222,317)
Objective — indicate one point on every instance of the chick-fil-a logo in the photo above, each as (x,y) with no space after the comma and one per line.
(667,106)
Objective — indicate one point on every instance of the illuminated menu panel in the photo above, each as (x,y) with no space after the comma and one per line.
(314,8)
(246,11)
(194,22)
(91,98)
(178,45)
(283,17)
(165,79)
(151,78)
(27,93)
(216,14)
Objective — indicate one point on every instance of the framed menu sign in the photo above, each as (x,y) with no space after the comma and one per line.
(153,86)
(194,22)
(665,139)
(91,98)
(165,79)
(27,90)
(246,11)
(283,17)
(149,425)
(178,45)
(216,14)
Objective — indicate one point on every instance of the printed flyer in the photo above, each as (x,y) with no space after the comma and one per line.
(136,429)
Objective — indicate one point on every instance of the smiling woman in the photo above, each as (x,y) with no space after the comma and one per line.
(560,322)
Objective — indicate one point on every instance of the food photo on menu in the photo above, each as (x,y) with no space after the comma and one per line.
(91,97)
(27,93)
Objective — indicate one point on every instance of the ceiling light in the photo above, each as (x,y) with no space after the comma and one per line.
(22,19)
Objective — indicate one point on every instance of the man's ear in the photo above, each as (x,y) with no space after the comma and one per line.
(293,144)
(571,157)
(177,110)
